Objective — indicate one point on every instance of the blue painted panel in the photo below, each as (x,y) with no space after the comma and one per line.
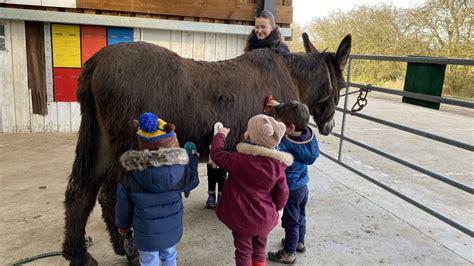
(116,35)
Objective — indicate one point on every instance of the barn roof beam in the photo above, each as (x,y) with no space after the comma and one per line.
(237,10)
(118,21)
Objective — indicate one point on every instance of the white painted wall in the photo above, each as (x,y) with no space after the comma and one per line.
(59,3)
(20,76)
(24,2)
(15,98)
(52,3)
(7,94)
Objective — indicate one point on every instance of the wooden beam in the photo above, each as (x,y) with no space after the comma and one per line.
(218,9)
(134,22)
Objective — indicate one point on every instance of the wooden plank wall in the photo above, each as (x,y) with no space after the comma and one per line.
(236,10)
(214,11)
(15,99)
(20,76)
(7,96)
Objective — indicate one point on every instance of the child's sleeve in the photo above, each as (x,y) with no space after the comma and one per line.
(191,178)
(218,154)
(280,191)
(313,152)
(304,153)
(123,206)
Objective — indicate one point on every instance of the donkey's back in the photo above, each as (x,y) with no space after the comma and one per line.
(132,78)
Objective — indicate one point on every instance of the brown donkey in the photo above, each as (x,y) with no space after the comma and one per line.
(124,80)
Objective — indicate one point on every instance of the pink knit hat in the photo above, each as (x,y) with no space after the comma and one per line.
(265,131)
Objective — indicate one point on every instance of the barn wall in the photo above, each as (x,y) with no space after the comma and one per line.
(64,116)
(7,93)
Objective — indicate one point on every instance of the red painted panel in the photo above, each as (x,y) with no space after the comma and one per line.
(65,83)
(92,40)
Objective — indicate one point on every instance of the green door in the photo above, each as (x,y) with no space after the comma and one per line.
(426,79)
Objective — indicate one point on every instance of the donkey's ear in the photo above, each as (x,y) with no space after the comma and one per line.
(343,51)
(308,46)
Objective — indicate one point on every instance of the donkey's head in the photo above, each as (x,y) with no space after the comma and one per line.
(322,80)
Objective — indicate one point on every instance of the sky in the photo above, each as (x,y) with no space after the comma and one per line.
(305,10)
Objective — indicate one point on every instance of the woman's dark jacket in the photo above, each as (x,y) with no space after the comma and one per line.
(273,41)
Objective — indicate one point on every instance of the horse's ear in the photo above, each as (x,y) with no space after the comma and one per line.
(134,124)
(308,46)
(342,54)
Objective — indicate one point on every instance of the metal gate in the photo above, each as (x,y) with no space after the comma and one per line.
(447,101)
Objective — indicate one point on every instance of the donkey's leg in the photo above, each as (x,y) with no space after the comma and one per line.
(80,200)
(107,202)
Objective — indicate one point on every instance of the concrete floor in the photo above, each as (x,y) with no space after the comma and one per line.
(350,220)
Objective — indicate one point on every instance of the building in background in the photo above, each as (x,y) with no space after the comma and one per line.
(44,43)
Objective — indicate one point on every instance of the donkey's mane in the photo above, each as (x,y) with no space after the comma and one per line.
(261,58)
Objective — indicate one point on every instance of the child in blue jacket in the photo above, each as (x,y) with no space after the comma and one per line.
(149,195)
(301,142)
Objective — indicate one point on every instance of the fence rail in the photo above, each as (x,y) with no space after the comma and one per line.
(415,59)
(414,95)
(418,132)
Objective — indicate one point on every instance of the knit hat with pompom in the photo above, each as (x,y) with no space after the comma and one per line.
(151,128)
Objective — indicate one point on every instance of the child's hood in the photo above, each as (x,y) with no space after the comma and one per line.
(283,157)
(305,151)
(155,179)
(140,160)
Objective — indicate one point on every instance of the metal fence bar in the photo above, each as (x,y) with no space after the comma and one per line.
(434,213)
(346,99)
(415,59)
(421,133)
(420,96)
(420,169)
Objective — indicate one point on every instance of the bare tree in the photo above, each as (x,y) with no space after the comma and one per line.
(433,28)
(446,25)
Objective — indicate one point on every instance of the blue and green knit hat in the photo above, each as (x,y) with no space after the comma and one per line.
(151,128)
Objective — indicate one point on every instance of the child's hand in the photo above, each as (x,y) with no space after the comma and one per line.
(224,131)
(122,231)
(280,213)
(190,148)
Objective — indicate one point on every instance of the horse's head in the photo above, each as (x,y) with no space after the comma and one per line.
(321,81)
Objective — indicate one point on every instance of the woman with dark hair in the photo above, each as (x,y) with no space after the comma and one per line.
(265,34)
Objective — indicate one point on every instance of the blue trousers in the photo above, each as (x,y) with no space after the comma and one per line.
(152,258)
(294,218)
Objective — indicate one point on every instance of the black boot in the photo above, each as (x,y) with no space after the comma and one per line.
(211,201)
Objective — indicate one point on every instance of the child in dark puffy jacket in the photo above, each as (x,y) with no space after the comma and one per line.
(256,187)
(301,142)
(149,195)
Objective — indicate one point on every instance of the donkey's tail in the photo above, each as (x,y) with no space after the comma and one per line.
(86,149)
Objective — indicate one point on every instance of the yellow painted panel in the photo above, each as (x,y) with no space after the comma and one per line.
(66,45)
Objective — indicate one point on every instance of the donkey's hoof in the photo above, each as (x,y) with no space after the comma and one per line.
(89,261)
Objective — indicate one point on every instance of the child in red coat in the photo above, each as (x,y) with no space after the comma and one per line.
(256,186)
